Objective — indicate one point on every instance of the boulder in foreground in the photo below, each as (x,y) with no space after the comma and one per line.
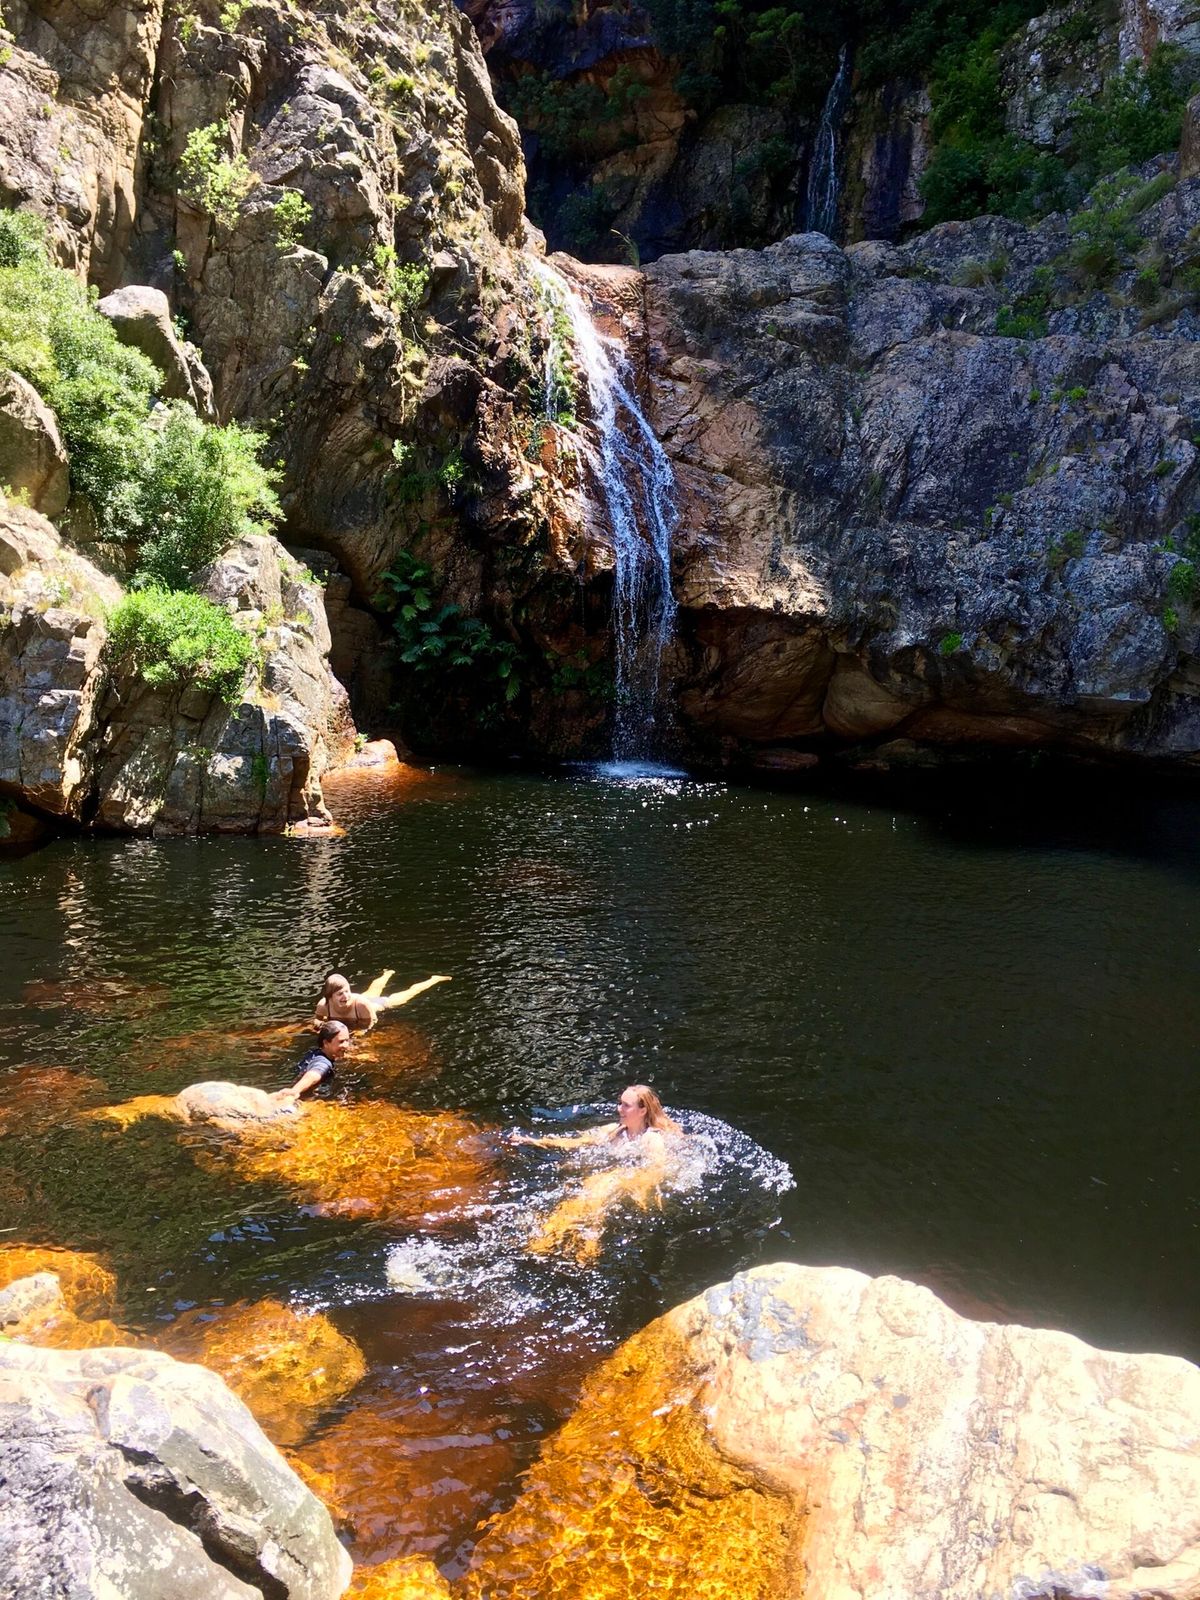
(125,1473)
(857,1440)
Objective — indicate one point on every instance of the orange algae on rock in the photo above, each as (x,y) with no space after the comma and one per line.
(632,1497)
(405,1473)
(409,1578)
(287,1367)
(369,1159)
(88,1287)
(141,1106)
(37,1097)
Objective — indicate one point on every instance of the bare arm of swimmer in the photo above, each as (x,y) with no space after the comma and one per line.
(567,1141)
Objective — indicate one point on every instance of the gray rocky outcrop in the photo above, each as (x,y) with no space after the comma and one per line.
(181,760)
(142,318)
(899,523)
(33,462)
(126,1473)
(84,740)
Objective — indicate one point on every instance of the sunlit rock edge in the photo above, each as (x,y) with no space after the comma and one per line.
(797,1431)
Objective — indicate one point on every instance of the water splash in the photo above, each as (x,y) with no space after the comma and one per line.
(637,486)
(821,205)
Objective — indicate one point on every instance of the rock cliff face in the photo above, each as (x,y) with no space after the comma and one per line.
(902,526)
(809,1431)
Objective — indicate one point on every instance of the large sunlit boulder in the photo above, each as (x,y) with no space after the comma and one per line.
(808,1431)
(125,1473)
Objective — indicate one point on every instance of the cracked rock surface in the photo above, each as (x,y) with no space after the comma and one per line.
(123,1472)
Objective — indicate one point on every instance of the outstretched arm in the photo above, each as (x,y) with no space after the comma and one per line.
(566,1141)
(310,1080)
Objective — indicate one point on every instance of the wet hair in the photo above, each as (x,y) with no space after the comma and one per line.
(656,1117)
(334,977)
(331,1030)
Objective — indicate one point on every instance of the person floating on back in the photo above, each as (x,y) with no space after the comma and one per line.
(339,1003)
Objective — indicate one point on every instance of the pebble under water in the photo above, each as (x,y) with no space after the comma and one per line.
(949,1037)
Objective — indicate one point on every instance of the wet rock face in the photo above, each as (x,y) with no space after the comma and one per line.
(859,1434)
(128,1473)
(896,522)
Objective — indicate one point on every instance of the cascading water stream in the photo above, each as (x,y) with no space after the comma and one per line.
(821,204)
(637,486)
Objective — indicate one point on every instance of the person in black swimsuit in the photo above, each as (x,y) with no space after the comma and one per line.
(333,1040)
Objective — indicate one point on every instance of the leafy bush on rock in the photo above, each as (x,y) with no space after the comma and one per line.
(168,638)
(174,488)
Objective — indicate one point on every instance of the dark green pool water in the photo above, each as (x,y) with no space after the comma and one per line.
(970,1027)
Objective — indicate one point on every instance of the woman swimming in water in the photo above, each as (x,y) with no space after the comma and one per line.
(643,1127)
(641,1117)
(339,1003)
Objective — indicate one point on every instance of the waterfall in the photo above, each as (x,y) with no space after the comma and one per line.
(821,205)
(637,489)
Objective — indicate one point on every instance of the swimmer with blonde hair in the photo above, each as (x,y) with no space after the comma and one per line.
(577,1224)
(339,1003)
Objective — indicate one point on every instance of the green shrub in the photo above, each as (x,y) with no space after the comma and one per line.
(216,182)
(198,489)
(99,389)
(404,285)
(1103,235)
(949,644)
(171,639)
(292,215)
(1181,583)
(172,486)
(1138,114)
(438,637)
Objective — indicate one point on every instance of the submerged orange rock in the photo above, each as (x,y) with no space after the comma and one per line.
(37,1097)
(404,1474)
(88,1287)
(368,1159)
(287,1366)
(143,1105)
(410,1578)
(632,1497)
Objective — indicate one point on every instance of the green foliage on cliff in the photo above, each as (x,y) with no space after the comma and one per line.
(173,488)
(170,638)
(199,488)
(433,636)
(213,179)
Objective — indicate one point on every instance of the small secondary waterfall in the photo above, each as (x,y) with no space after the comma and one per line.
(821,205)
(637,484)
